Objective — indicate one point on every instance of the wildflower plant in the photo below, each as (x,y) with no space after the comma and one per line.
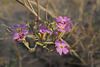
(46,33)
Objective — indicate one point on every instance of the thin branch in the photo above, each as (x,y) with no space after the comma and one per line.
(24,4)
(20,2)
(30,4)
(5,38)
(42,8)
(81,38)
(47,9)
(18,53)
(72,30)
(38,9)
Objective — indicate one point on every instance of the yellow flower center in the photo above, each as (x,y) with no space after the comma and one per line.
(62,28)
(63,20)
(61,46)
(21,36)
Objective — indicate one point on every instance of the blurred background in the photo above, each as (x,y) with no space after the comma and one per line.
(84,38)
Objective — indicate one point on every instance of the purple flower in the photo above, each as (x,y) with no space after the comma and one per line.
(42,29)
(61,47)
(63,20)
(20,37)
(17,27)
(67,28)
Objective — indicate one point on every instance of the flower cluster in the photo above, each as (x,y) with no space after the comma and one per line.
(63,26)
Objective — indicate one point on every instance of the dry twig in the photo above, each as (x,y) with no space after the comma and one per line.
(17,53)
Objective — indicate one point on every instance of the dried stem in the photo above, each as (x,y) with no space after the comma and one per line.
(72,30)
(38,9)
(20,2)
(5,38)
(47,9)
(30,4)
(81,38)
(29,8)
(18,53)
(42,8)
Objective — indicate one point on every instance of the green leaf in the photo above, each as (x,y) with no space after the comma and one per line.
(47,42)
(27,45)
(39,35)
(39,43)
(31,36)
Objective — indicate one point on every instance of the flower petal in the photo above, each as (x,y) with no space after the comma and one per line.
(19,39)
(22,26)
(49,31)
(68,22)
(60,18)
(57,43)
(63,43)
(16,26)
(65,18)
(55,19)
(65,50)
(42,27)
(59,50)
(58,25)
(15,36)
(67,28)
(42,31)
(24,31)
(59,29)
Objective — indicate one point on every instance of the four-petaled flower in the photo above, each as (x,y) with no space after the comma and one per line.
(19,27)
(61,47)
(20,36)
(42,29)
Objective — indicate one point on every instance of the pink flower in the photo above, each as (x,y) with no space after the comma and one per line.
(20,37)
(61,47)
(63,24)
